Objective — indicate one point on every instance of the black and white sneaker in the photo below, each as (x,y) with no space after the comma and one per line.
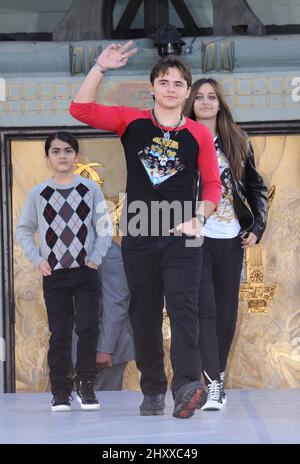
(224,397)
(214,395)
(86,396)
(61,402)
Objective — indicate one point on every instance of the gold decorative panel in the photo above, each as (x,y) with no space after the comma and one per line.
(266,349)
(255,290)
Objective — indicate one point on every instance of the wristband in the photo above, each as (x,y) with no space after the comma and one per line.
(101,69)
(201,218)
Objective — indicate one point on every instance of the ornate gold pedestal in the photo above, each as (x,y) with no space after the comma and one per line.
(255,291)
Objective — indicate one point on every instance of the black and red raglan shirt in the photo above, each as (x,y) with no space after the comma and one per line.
(162,164)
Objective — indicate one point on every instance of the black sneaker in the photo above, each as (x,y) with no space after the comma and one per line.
(189,397)
(86,396)
(61,402)
(153,405)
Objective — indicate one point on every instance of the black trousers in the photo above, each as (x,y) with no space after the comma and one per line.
(218,301)
(156,267)
(72,295)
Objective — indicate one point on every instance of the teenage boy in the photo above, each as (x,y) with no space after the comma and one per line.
(158,253)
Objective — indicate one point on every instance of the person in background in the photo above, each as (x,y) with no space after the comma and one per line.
(115,345)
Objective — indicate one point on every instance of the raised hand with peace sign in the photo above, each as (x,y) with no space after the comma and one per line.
(115,56)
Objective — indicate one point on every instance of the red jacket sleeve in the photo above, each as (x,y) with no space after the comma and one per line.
(109,118)
(209,168)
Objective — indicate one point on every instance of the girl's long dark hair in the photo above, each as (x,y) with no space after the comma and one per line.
(233,138)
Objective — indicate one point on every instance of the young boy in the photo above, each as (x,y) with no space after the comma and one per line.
(70,215)
(157,261)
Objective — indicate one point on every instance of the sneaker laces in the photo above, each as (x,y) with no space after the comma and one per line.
(214,391)
(157,399)
(61,398)
(214,388)
(154,399)
(87,390)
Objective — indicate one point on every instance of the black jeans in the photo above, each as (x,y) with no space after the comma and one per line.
(72,295)
(218,301)
(156,267)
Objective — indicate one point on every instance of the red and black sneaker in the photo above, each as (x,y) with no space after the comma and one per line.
(188,398)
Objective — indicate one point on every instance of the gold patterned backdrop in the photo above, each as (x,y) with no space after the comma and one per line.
(266,350)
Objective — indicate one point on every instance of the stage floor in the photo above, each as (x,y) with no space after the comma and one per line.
(250,416)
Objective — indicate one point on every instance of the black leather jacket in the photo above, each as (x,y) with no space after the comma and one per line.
(250,196)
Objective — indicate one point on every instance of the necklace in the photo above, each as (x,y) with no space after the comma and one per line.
(166,134)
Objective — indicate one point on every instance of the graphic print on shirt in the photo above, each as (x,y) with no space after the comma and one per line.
(160,160)
(225,211)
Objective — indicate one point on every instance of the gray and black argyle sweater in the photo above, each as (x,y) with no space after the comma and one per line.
(72,222)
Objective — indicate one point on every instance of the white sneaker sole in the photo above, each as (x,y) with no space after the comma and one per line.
(87,407)
(61,408)
(212,406)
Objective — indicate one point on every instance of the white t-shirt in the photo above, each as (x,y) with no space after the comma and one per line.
(223,222)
